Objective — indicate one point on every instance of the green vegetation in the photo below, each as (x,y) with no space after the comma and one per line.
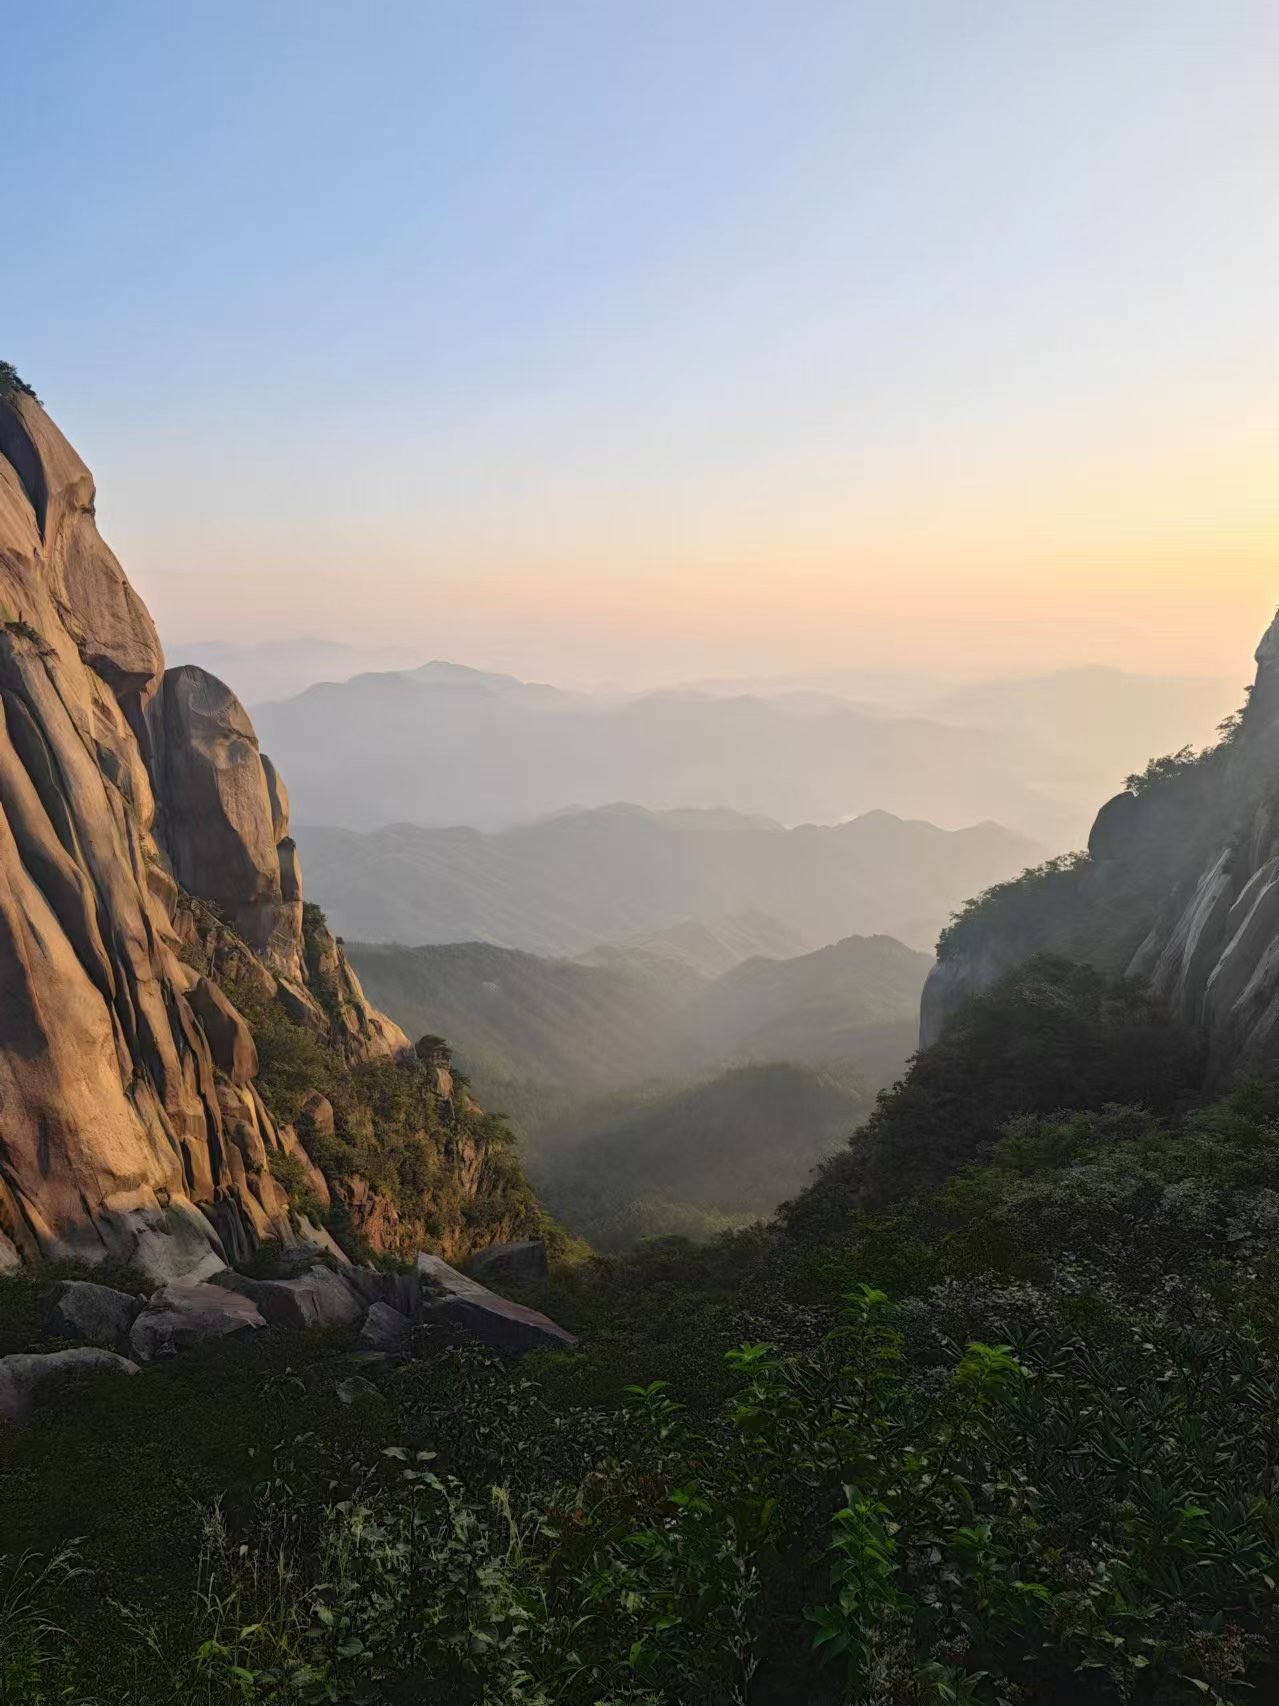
(1100,909)
(27,1293)
(12,384)
(988,1416)
(695,1161)
(392,1131)
(1034,1465)
(1049,1035)
(650,1097)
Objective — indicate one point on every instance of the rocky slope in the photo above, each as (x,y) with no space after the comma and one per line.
(149,890)
(1179,888)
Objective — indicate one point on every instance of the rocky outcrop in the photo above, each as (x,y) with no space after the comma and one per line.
(1190,863)
(149,889)
(220,815)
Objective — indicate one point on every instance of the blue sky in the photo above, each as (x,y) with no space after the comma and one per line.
(650,339)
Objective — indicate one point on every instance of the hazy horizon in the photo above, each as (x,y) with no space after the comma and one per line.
(301,660)
(646,344)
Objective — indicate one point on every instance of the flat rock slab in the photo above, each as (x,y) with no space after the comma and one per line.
(464,1304)
(91,1314)
(181,1316)
(25,1377)
(318,1298)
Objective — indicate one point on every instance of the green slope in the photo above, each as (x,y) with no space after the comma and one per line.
(694,1160)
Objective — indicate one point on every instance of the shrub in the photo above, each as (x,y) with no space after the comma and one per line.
(12,384)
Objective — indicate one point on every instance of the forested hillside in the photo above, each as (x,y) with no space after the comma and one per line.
(653,1098)
(569,882)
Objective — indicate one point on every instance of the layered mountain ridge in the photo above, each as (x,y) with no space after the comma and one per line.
(147,876)
(564,884)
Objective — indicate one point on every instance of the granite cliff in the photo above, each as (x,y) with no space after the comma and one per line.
(150,899)
(1179,888)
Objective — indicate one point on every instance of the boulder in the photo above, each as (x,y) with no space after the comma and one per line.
(316,1114)
(1113,826)
(26,1376)
(220,828)
(230,1040)
(452,1301)
(400,1291)
(524,1261)
(91,1314)
(385,1329)
(181,1316)
(317,1298)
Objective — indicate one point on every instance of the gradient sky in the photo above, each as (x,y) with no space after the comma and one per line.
(664,338)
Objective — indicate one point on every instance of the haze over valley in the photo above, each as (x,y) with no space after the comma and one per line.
(442,745)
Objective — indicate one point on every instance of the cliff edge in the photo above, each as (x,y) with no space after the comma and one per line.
(1179,888)
(150,895)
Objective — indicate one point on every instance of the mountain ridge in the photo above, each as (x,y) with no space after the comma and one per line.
(563,884)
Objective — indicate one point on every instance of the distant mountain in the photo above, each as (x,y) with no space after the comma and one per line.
(1098,723)
(539,1036)
(565,884)
(711,946)
(694,1160)
(446,745)
(443,744)
(850,1004)
(278,669)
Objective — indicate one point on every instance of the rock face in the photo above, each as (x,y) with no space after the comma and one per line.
(220,816)
(1192,863)
(142,836)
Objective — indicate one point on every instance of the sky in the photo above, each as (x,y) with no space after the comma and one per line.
(638,341)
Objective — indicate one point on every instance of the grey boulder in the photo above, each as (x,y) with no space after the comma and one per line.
(26,1376)
(179,1317)
(456,1302)
(317,1298)
(385,1329)
(91,1314)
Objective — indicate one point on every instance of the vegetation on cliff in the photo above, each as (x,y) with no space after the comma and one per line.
(1051,1034)
(12,384)
(1099,906)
